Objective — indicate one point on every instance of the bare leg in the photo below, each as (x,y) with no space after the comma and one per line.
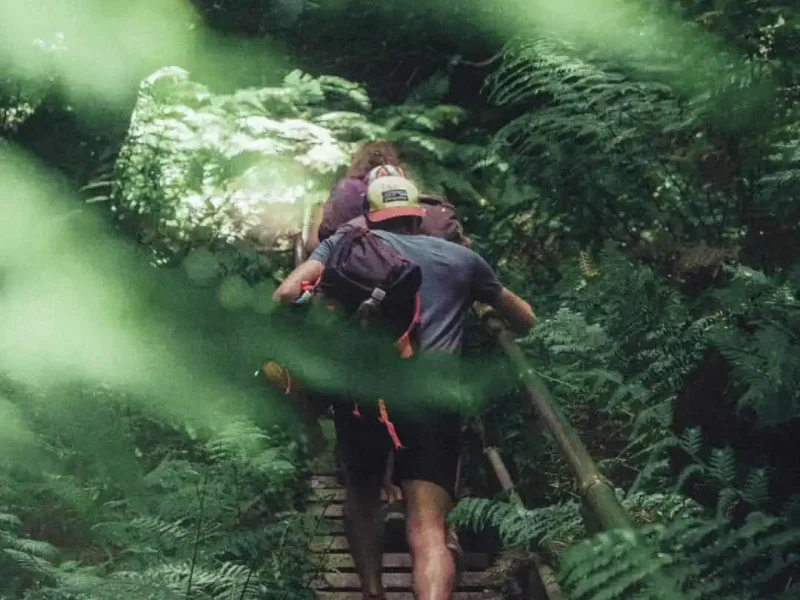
(393,493)
(363,520)
(434,567)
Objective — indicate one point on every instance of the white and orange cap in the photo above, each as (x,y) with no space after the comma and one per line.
(391,195)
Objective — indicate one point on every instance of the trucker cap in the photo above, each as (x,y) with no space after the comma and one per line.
(390,196)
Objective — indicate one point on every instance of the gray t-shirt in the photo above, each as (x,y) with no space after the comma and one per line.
(453,277)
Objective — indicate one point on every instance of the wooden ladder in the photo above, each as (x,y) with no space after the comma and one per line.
(339,580)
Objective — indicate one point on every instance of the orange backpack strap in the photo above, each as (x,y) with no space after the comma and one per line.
(404,344)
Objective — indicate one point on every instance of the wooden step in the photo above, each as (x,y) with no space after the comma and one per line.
(322,495)
(330,511)
(334,543)
(330,526)
(402,560)
(326,502)
(332,495)
(408,596)
(325,482)
(336,526)
(328,543)
(336,511)
(395,581)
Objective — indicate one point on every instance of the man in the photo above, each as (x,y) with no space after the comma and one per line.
(453,277)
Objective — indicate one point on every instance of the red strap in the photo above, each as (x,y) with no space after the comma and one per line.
(305,286)
(403,344)
(384,418)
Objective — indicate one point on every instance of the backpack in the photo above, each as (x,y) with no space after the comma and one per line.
(347,201)
(374,285)
(440,220)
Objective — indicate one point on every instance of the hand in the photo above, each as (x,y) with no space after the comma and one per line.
(393,492)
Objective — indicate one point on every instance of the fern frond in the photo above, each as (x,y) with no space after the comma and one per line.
(175,531)
(691,441)
(30,562)
(702,559)
(756,488)
(687,473)
(35,548)
(727,501)
(587,265)
(722,465)
(518,526)
(9,521)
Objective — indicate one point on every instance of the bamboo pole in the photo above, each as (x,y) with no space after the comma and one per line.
(595,490)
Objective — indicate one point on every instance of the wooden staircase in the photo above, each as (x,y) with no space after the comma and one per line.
(339,580)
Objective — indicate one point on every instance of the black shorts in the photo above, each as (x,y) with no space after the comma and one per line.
(431,444)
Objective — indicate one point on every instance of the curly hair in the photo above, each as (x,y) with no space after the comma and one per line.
(371,155)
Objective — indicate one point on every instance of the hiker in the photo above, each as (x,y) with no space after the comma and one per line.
(427,446)
(347,198)
(303,404)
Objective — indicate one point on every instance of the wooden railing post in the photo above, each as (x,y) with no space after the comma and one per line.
(595,490)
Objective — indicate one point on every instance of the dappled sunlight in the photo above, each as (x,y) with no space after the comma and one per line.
(200,166)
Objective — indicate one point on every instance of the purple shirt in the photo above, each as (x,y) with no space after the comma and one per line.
(347,200)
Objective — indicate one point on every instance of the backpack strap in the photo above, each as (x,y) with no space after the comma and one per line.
(359,222)
(307,291)
(404,343)
(390,428)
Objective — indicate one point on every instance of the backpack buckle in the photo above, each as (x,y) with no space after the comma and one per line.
(370,305)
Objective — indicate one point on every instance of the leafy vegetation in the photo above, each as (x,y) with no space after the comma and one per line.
(669,336)
(634,177)
(149,508)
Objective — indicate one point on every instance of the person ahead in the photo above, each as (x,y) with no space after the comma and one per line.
(453,277)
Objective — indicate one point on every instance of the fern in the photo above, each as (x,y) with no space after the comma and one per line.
(587,265)
(702,559)
(22,556)
(692,441)
(720,470)
(226,581)
(767,360)
(781,177)
(589,115)
(559,526)
(722,466)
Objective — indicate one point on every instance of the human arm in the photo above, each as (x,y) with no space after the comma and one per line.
(292,287)
(512,309)
(515,311)
(311,270)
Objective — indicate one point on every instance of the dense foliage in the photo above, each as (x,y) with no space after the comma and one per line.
(638,188)
(665,206)
(145,507)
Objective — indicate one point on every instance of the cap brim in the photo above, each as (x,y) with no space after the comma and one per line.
(394,212)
